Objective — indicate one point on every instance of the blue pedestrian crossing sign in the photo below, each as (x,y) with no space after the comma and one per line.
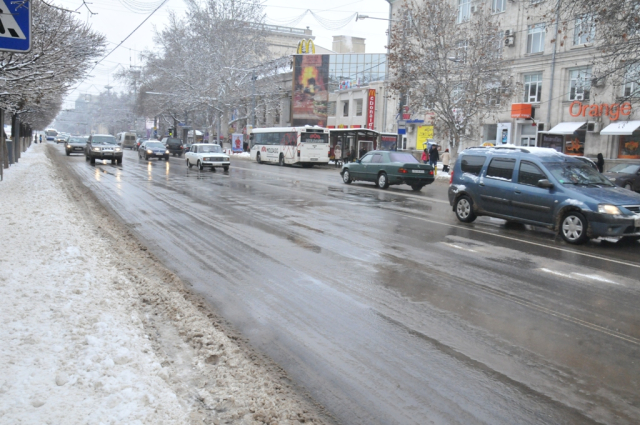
(15,26)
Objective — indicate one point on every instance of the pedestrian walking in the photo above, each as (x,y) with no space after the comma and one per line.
(434,156)
(425,156)
(600,163)
(446,158)
(41,138)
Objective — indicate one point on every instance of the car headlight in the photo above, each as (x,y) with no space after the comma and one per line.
(96,149)
(69,146)
(608,209)
(166,151)
(149,151)
(117,149)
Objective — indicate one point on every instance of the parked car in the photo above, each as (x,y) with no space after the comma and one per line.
(388,168)
(625,175)
(207,155)
(591,163)
(153,149)
(174,145)
(75,144)
(542,187)
(103,146)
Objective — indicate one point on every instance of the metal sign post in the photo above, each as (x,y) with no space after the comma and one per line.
(15,26)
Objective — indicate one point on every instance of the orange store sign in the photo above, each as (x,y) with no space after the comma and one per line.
(613,111)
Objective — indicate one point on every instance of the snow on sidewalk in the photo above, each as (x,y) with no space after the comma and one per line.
(93,330)
(72,350)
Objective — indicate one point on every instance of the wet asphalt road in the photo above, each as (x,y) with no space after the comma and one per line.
(383,306)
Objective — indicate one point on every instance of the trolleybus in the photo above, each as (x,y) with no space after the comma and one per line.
(306,146)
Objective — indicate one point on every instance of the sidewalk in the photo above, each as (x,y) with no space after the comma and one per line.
(84,339)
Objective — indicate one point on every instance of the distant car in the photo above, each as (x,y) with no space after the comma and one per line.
(61,138)
(389,168)
(139,141)
(127,139)
(625,175)
(542,187)
(103,146)
(174,145)
(153,149)
(207,155)
(588,161)
(75,144)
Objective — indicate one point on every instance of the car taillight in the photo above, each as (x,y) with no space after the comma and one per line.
(180,146)
(402,170)
(451,179)
(431,173)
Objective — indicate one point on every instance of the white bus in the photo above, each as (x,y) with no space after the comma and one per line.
(290,145)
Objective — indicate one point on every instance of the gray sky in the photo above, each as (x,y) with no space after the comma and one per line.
(116,21)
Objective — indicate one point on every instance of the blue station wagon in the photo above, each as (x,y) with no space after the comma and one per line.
(542,187)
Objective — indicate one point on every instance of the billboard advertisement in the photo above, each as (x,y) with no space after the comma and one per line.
(237,142)
(310,90)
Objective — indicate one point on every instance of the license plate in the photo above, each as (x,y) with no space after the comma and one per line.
(106,153)
(418,171)
(314,159)
(77,149)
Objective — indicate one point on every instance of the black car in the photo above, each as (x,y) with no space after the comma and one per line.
(75,144)
(153,149)
(625,175)
(103,146)
(173,145)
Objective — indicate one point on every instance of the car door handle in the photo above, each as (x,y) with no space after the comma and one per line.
(481,184)
(518,192)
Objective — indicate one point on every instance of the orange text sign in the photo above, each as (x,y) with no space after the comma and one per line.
(613,111)
(521,110)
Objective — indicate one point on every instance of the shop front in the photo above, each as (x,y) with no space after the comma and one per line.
(566,137)
(626,136)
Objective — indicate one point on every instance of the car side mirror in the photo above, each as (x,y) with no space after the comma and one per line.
(358,161)
(545,184)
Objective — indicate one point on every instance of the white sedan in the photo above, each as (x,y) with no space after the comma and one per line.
(207,155)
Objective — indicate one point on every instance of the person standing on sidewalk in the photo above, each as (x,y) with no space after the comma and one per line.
(434,156)
(600,163)
(425,156)
(446,158)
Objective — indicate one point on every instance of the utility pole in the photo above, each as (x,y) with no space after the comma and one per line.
(253,95)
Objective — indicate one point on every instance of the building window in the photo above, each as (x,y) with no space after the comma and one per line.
(464,10)
(535,38)
(536,1)
(498,6)
(532,87)
(358,107)
(584,30)
(461,53)
(345,108)
(580,83)
(632,81)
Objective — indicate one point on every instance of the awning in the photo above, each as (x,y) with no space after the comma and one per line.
(566,127)
(622,128)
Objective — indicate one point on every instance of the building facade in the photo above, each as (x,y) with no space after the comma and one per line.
(558,100)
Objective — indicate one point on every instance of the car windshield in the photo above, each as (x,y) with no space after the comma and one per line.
(104,140)
(209,149)
(625,169)
(156,145)
(402,157)
(77,140)
(577,174)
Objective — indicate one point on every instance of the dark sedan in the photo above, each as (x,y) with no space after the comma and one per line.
(75,144)
(151,149)
(388,168)
(625,175)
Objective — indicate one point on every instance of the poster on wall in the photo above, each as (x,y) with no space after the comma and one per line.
(424,134)
(553,141)
(629,147)
(310,95)
(237,142)
(574,143)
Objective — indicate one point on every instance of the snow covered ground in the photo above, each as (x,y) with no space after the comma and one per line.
(88,337)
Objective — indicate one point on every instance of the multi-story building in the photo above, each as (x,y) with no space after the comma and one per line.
(559,101)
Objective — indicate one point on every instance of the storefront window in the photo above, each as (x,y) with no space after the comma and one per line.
(574,143)
(553,141)
(629,146)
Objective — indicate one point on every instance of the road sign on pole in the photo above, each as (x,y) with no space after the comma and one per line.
(15,26)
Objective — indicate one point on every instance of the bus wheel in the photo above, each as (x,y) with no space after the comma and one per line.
(281,160)
(258,160)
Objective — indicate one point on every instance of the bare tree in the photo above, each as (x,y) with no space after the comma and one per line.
(447,65)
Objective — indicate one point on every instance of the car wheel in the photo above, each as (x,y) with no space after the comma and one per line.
(225,168)
(86,158)
(628,186)
(166,157)
(146,157)
(113,161)
(281,160)
(574,228)
(119,161)
(383,181)
(68,153)
(200,166)
(416,187)
(346,177)
(464,209)
(258,159)
(92,161)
